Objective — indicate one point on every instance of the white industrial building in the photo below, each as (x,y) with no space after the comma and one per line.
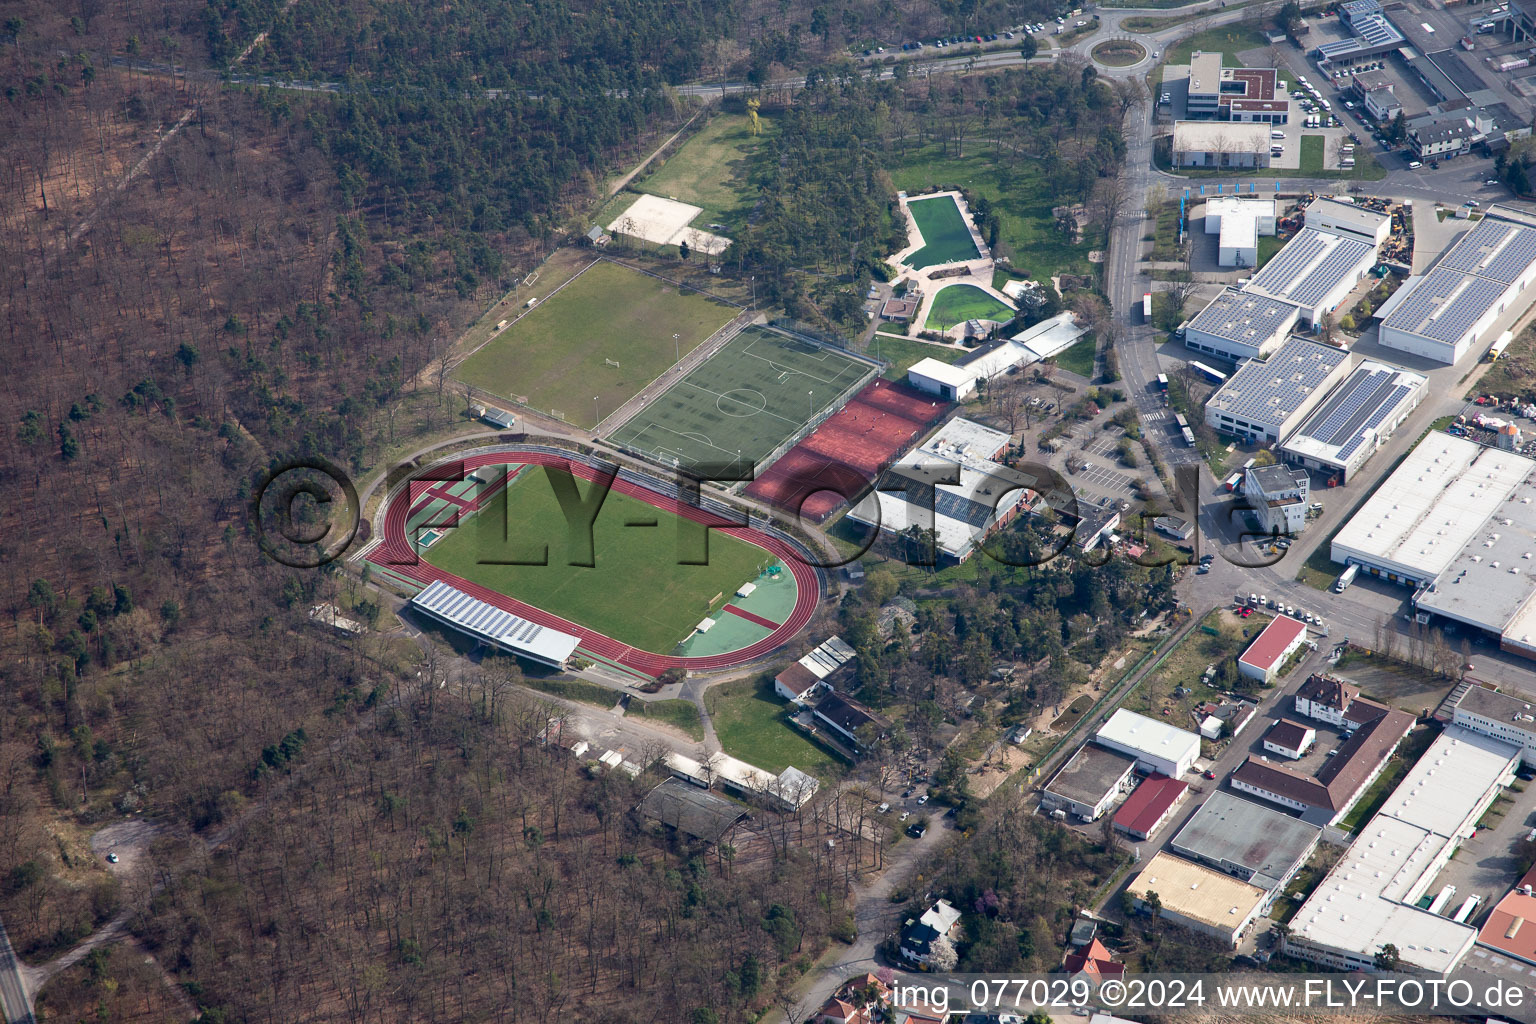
(1315,270)
(1433,506)
(1368,898)
(1355,420)
(1220,144)
(493,626)
(1347,218)
(1264,400)
(1156,746)
(935,377)
(1446,313)
(1237,325)
(1089,783)
(1240,222)
(1504,716)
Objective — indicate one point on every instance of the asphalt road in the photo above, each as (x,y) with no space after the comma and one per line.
(15,1000)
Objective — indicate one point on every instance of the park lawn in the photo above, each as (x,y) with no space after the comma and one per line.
(901,353)
(1021,196)
(712,170)
(1227,41)
(635,592)
(946,236)
(961,302)
(750,721)
(553,359)
(1078,359)
(679,714)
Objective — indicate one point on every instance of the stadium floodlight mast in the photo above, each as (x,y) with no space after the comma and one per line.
(594,412)
(675,349)
(810,406)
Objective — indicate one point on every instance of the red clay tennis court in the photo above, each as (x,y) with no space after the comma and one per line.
(847,452)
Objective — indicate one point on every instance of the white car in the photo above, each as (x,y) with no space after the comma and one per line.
(904,815)
(1491,181)
(111,858)
(882,808)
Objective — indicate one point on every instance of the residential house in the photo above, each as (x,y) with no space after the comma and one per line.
(1094,962)
(920,933)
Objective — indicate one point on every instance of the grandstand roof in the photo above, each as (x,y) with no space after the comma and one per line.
(492,625)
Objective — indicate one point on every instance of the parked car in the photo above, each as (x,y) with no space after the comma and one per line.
(112,858)
(1414,165)
(916,831)
(922,799)
(904,815)
(1491,181)
(1210,774)
(883,808)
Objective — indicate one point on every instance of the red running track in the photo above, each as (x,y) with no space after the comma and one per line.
(395,553)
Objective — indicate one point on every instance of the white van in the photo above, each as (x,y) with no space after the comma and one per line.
(1277,135)
(1326,105)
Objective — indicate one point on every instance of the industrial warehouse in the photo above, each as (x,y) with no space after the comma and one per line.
(1355,421)
(1443,314)
(1373,895)
(1329,413)
(1311,274)
(1456,521)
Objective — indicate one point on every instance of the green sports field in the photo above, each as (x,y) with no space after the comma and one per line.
(758,390)
(713,170)
(946,236)
(554,358)
(635,592)
(961,302)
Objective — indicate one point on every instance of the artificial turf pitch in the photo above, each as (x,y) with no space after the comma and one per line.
(556,358)
(946,236)
(636,592)
(760,389)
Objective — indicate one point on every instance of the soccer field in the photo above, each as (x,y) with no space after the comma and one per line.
(635,592)
(946,236)
(556,358)
(759,389)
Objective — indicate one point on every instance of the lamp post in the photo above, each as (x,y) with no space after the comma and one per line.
(675,349)
(594,414)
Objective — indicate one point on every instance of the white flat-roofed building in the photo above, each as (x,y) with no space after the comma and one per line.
(1449,311)
(1431,507)
(952,486)
(1220,144)
(1504,716)
(1090,781)
(951,383)
(1199,898)
(1368,898)
(1247,840)
(488,624)
(1239,222)
(1355,420)
(1237,325)
(1315,270)
(1490,582)
(1264,400)
(1156,746)
(1349,219)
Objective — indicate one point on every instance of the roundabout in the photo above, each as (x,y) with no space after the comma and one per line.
(1118,53)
